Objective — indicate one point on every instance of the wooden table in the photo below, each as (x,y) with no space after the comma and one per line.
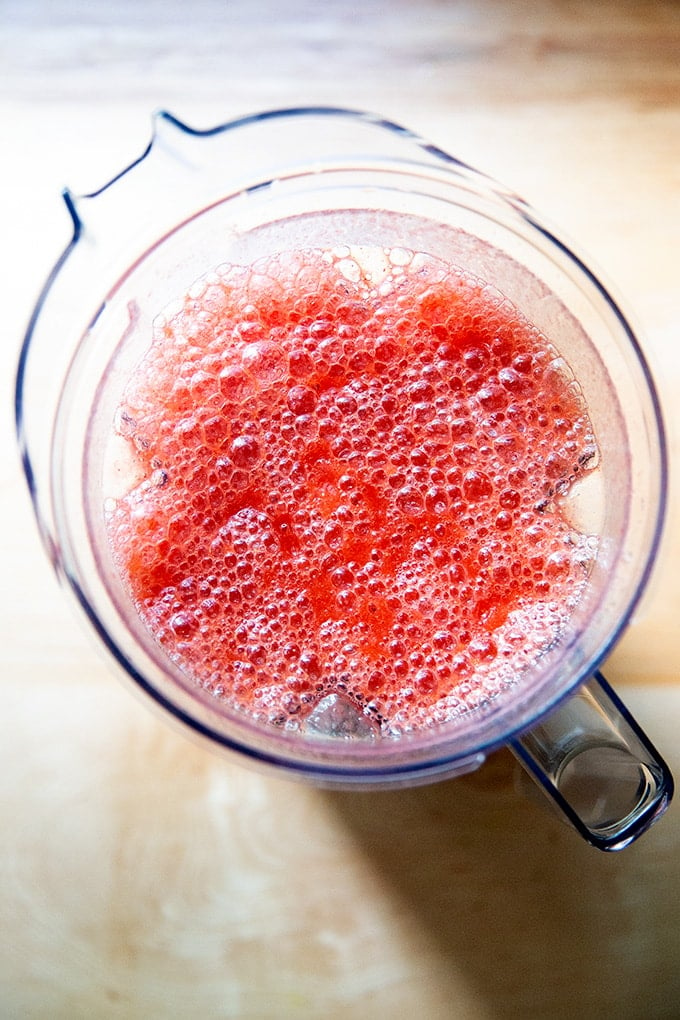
(143,877)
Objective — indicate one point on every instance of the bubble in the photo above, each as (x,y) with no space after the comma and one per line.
(420,392)
(509,499)
(182,624)
(245,451)
(346,598)
(476,486)
(558,564)
(235,386)
(491,397)
(300,364)
(265,361)
(341,577)
(409,500)
(425,681)
(513,380)
(523,363)
(301,399)
(557,466)
(422,411)
(475,357)
(461,665)
(399,256)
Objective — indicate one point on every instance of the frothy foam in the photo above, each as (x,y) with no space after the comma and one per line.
(346,471)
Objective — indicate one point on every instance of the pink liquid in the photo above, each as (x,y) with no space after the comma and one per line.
(351,483)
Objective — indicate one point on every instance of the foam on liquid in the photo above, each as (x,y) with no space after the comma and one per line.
(347,477)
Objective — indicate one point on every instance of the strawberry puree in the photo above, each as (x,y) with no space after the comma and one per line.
(351,471)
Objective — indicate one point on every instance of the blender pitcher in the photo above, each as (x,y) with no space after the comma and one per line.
(320,177)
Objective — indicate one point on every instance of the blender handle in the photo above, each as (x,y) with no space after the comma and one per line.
(592,759)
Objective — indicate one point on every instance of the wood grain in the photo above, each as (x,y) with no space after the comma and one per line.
(145,877)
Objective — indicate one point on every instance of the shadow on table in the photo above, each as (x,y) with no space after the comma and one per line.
(515,906)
